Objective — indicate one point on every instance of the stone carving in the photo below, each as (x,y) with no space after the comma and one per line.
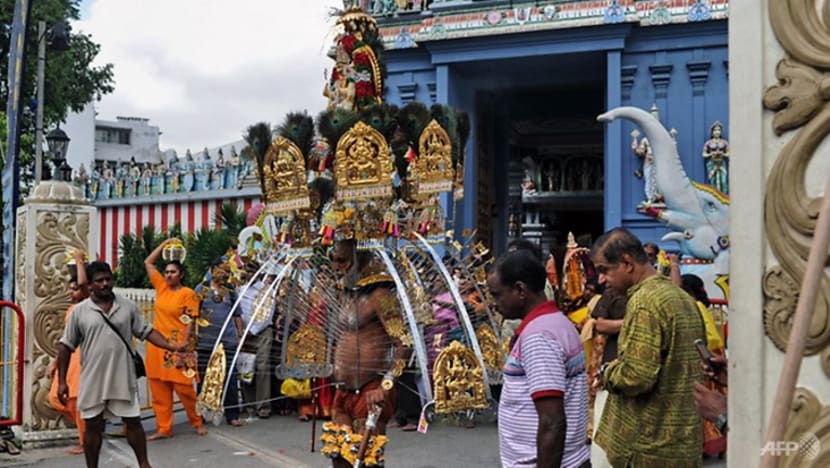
(54,233)
(800,102)
(809,427)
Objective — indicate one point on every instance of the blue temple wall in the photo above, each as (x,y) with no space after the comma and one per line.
(684,71)
(682,68)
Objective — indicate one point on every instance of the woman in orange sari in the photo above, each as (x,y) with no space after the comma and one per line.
(174,314)
(77,292)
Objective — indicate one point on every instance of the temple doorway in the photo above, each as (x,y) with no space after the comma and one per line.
(553,163)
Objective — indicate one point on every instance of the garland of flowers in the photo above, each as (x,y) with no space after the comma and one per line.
(366,74)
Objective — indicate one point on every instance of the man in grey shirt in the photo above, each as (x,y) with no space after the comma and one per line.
(108,381)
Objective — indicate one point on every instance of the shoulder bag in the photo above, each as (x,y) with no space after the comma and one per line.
(137,360)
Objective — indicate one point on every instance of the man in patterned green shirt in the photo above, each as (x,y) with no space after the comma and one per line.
(649,419)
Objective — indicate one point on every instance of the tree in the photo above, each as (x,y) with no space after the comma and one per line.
(71,81)
(232,220)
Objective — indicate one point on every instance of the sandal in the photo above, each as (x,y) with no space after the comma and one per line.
(235,423)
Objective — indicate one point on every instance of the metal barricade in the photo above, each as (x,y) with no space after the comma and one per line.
(12,334)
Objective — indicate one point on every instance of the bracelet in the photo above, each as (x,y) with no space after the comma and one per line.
(388,382)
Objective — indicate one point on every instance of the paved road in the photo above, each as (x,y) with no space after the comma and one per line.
(284,442)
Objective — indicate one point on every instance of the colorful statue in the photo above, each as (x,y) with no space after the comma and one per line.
(716,154)
(696,214)
(146,180)
(356,80)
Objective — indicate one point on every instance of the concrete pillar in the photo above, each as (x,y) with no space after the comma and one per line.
(55,218)
(778,118)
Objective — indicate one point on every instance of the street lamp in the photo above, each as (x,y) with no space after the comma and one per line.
(58,37)
(58,143)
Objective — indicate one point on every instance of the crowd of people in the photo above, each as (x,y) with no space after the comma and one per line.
(615,380)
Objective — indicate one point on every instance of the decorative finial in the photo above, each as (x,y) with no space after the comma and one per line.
(654,112)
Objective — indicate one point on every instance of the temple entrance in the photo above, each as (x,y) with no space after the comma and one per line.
(553,162)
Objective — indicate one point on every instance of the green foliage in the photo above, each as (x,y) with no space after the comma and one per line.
(203,247)
(232,221)
(71,81)
(132,250)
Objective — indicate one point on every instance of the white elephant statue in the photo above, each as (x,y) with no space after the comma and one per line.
(697,214)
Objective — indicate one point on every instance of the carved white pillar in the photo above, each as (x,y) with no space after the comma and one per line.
(55,217)
(779,123)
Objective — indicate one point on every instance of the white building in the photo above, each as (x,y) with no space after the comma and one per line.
(121,140)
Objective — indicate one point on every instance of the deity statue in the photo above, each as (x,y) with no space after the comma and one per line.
(157,184)
(108,182)
(120,180)
(201,171)
(232,169)
(528,186)
(82,178)
(217,177)
(355,81)
(146,180)
(585,175)
(93,192)
(188,172)
(134,177)
(716,155)
(552,176)
(642,149)
(512,225)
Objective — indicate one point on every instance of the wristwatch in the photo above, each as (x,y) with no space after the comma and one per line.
(721,423)
(602,371)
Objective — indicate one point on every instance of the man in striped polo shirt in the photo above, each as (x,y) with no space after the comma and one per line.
(543,412)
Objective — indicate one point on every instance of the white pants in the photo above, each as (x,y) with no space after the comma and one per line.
(598,457)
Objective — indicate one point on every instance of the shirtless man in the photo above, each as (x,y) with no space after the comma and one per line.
(362,366)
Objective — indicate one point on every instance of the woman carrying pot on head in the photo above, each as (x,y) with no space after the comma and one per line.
(174,314)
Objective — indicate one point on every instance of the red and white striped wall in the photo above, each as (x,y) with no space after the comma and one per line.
(116,220)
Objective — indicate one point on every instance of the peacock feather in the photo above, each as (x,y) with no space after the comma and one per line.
(299,128)
(333,123)
(258,137)
(381,117)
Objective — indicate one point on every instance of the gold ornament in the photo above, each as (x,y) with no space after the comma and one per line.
(391,318)
(210,400)
(458,380)
(339,441)
(491,349)
(363,166)
(432,172)
(306,346)
(285,172)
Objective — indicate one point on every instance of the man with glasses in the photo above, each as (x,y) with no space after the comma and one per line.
(649,419)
